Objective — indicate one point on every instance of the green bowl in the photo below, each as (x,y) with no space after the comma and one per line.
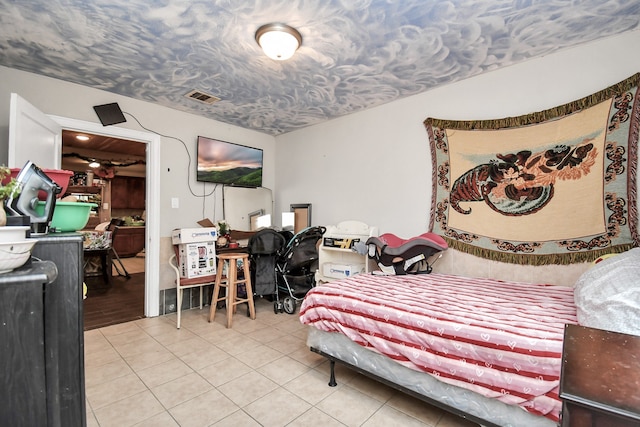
(68,216)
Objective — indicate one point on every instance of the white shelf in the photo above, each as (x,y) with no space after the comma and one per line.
(341,259)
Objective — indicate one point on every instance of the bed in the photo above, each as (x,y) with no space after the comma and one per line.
(487,350)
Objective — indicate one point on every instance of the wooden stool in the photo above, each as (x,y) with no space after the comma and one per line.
(231,283)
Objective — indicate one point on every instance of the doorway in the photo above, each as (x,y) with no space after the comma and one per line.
(152,251)
(111,173)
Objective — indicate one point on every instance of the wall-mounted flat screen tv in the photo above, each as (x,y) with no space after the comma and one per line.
(227,163)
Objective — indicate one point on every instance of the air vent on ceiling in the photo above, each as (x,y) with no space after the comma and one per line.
(199,95)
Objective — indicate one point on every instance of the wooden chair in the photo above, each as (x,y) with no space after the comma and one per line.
(184,283)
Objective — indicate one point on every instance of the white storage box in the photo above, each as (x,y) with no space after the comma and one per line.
(341,271)
(197,259)
(191,235)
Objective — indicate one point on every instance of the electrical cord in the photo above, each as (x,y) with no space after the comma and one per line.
(186,149)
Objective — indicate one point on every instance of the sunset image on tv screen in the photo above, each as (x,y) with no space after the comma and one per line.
(228,163)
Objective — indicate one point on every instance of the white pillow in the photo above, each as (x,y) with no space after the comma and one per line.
(607,296)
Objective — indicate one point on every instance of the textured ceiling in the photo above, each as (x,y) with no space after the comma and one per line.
(356,54)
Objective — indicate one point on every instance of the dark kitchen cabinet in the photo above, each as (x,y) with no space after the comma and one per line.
(29,374)
(128,192)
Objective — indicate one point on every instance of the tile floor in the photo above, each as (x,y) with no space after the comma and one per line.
(258,373)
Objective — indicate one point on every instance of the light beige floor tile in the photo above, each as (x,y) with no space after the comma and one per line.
(91,420)
(181,390)
(128,337)
(258,356)
(204,357)
(130,411)
(95,342)
(316,418)
(139,347)
(283,370)
(237,419)
(224,371)
(248,326)
(107,372)
(221,334)
(109,331)
(311,386)
(266,335)
(307,357)
(164,372)
(203,410)
(248,388)
(238,345)
(181,348)
(112,391)
(99,358)
(288,344)
(169,335)
(148,322)
(163,419)
(349,406)
(141,361)
(289,407)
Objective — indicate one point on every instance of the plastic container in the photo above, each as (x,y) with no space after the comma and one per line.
(68,216)
(13,233)
(15,254)
(59,176)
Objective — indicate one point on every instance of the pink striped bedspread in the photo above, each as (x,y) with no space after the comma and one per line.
(502,340)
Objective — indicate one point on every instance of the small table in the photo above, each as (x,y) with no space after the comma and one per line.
(600,379)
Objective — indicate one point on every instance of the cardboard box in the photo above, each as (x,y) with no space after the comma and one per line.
(340,242)
(192,235)
(197,259)
(341,271)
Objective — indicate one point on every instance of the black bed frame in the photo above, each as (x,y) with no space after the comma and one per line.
(445,407)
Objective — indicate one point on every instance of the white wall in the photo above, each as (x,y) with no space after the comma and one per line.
(65,99)
(73,101)
(375,166)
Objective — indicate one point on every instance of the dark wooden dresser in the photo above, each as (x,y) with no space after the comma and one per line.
(600,379)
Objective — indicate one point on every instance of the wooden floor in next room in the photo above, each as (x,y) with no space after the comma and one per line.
(120,301)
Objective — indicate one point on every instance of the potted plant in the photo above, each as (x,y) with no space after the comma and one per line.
(8,186)
(223,232)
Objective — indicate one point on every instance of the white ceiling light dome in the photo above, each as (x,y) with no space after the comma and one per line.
(278,41)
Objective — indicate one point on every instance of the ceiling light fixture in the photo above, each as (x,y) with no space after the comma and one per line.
(94,164)
(82,137)
(278,41)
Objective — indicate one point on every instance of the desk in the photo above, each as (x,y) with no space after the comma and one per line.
(600,378)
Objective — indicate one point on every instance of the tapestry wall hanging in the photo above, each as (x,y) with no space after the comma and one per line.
(554,187)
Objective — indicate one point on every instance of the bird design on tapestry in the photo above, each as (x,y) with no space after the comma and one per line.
(522,183)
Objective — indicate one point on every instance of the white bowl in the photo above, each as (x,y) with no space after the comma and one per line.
(15,254)
(13,233)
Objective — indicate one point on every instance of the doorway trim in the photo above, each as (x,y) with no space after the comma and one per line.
(152,238)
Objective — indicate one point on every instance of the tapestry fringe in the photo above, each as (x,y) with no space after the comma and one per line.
(535,260)
(540,116)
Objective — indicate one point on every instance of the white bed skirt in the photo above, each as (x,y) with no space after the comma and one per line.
(466,401)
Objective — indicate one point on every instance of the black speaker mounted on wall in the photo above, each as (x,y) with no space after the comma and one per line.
(109,114)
